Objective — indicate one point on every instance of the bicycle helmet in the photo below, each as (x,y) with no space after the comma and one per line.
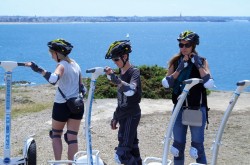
(118,48)
(61,46)
(189,36)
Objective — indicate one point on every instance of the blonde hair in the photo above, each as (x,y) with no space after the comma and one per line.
(62,57)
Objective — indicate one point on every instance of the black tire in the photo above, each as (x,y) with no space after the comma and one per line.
(31,155)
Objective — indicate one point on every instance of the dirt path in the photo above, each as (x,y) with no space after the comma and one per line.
(156,114)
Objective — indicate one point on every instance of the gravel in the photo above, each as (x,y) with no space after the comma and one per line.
(154,121)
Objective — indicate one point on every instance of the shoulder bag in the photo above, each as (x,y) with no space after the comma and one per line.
(192,117)
(75,104)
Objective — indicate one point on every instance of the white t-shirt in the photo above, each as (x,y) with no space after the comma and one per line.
(69,82)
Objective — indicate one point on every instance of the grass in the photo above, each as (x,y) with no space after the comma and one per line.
(30,108)
(22,109)
(26,100)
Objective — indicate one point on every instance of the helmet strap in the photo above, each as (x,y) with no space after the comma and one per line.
(60,57)
(125,61)
(194,46)
(58,60)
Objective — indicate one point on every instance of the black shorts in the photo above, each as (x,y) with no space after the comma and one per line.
(62,113)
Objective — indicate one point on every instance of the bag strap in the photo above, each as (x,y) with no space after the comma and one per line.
(79,82)
(63,95)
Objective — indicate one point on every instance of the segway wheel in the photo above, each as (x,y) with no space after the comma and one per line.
(31,155)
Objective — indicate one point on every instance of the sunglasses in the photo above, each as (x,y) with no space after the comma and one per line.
(116,59)
(188,45)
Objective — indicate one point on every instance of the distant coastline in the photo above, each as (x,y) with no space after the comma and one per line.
(82,19)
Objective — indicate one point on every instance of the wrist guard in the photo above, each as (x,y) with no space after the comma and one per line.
(197,61)
(36,68)
(170,80)
(181,66)
(206,78)
(115,79)
(83,90)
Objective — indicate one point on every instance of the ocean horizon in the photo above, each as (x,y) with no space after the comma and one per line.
(153,43)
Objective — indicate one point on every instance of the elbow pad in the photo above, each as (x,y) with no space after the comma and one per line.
(168,82)
(108,77)
(209,83)
(52,78)
(128,89)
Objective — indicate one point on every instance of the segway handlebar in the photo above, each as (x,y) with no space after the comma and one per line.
(191,82)
(10,65)
(96,69)
(96,72)
(241,85)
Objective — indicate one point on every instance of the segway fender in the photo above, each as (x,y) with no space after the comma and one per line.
(27,143)
(81,157)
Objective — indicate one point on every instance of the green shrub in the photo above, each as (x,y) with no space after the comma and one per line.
(151,77)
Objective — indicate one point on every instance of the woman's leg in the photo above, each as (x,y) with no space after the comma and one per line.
(197,150)
(56,133)
(178,147)
(71,134)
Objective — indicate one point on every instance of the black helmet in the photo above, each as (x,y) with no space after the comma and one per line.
(118,48)
(61,46)
(189,36)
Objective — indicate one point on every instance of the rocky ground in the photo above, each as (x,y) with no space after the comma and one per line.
(235,148)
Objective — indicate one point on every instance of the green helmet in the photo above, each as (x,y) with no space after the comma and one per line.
(61,46)
(189,36)
(118,48)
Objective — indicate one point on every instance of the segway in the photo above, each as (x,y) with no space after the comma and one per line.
(29,149)
(89,157)
(241,85)
(168,136)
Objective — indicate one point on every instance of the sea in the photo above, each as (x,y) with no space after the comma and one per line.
(225,45)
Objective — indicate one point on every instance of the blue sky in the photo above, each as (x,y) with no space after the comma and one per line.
(125,7)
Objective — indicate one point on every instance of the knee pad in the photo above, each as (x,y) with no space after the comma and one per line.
(193,152)
(117,159)
(123,155)
(196,150)
(174,151)
(51,133)
(177,150)
(66,137)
